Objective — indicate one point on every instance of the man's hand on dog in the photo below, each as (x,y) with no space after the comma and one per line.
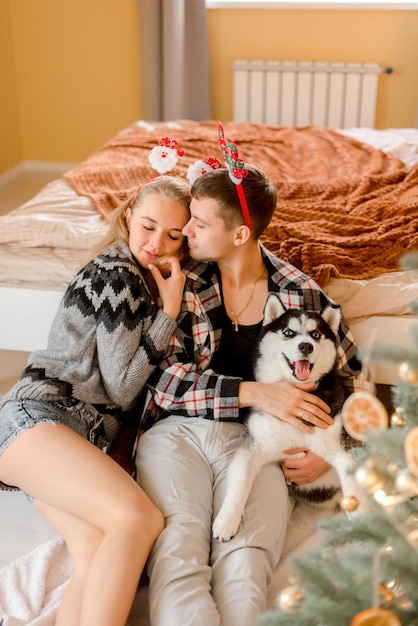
(288,401)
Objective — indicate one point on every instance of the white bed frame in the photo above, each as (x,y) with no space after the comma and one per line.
(386,329)
(26,315)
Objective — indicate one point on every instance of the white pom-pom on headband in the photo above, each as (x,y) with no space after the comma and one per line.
(198,168)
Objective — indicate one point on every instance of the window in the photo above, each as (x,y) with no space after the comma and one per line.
(312,4)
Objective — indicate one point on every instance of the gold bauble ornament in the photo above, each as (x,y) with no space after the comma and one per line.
(406,482)
(392,468)
(408,374)
(369,478)
(290,599)
(391,592)
(349,503)
(411,450)
(398,419)
(386,593)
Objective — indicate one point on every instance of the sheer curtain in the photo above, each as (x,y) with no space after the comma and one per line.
(174,60)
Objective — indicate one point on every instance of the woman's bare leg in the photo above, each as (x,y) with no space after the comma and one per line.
(67,473)
(82,541)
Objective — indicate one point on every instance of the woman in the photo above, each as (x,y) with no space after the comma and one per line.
(113,326)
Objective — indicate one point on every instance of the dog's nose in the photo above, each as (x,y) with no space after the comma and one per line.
(305,348)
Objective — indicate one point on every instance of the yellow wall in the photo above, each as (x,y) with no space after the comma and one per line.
(10,144)
(389,38)
(76,72)
(70,70)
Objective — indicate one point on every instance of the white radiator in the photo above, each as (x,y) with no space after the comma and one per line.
(297,93)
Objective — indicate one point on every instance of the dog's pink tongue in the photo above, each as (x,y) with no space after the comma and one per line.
(302,369)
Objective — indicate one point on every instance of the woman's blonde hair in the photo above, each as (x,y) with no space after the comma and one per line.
(167,186)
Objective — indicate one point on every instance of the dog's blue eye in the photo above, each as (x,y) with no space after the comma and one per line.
(316,335)
(288,333)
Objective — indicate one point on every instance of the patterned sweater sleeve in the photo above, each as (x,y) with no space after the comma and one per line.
(106,339)
(132,337)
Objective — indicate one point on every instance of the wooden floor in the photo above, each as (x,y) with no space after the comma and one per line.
(15,192)
(22,528)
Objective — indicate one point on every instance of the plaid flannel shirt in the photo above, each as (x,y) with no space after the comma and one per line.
(184,384)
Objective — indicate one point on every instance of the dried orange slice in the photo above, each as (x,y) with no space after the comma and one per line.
(411,450)
(376,617)
(362,410)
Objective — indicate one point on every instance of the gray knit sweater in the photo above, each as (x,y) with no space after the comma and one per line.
(106,339)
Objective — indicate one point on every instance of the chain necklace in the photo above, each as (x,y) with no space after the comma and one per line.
(236,316)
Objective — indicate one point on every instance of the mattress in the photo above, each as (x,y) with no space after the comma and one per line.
(42,243)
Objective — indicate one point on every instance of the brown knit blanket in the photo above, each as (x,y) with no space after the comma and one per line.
(344,209)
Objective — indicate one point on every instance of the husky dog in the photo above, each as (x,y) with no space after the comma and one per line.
(299,346)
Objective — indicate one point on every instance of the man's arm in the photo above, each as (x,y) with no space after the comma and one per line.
(184,384)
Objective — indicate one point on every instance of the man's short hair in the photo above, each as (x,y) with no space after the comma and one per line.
(259,191)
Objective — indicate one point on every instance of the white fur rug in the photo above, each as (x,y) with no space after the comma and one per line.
(31,587)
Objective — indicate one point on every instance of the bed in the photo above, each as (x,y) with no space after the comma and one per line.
(347,210)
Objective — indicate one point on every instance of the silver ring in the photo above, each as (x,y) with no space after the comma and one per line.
(301,414)
(288,482)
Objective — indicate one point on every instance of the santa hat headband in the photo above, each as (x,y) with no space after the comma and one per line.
(237,171)
(163,157)
(203,166)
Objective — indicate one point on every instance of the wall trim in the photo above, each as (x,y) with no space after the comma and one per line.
(35,167)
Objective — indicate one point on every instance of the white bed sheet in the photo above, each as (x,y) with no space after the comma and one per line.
(400,142)
(50,267)
(44,241)
(387,294)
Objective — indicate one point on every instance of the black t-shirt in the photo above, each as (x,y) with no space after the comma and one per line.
(235,355)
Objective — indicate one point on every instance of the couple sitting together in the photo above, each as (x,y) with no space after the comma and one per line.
(145,314)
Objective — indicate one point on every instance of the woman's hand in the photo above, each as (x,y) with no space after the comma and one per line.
(170,285)
(303,466)
(288,401)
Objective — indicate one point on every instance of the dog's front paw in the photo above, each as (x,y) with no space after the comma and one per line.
(225,526)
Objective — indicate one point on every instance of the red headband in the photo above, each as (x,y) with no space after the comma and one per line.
(236,170)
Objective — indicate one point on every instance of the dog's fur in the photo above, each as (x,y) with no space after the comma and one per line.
(295,346)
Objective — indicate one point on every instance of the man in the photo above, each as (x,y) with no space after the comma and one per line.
(199,399)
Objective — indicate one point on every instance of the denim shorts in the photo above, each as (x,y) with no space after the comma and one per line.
(17,416)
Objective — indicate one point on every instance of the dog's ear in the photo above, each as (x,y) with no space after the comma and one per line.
(273,309)
(332,316)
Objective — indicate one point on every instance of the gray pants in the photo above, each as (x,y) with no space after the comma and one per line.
(196,580)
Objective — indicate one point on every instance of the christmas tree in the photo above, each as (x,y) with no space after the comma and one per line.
(364,571)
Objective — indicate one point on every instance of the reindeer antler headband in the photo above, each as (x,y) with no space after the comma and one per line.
(237,171)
